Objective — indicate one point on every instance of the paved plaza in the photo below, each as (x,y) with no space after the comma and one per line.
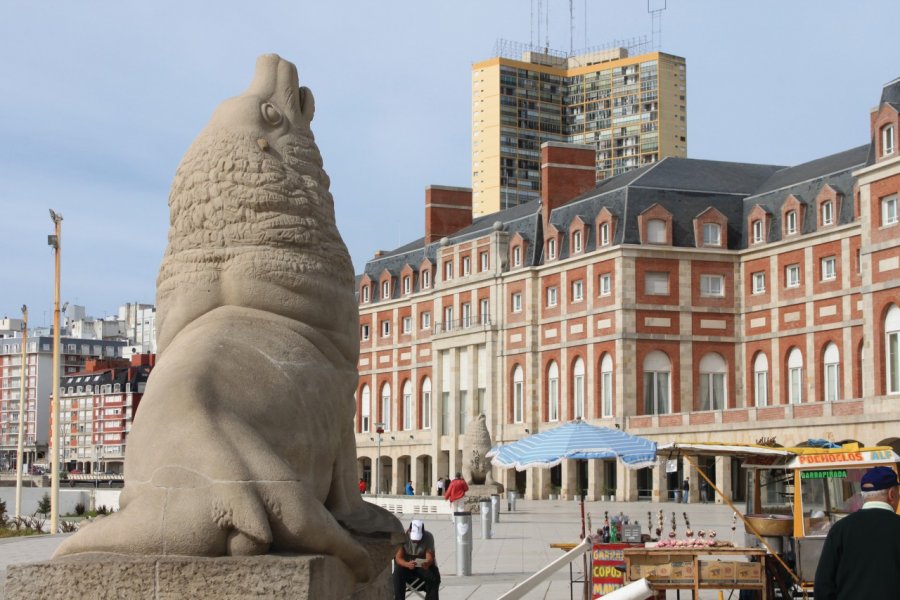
(519,547)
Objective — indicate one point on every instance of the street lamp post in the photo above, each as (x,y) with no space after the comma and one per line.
(379,429)
(23,402)
(56,242)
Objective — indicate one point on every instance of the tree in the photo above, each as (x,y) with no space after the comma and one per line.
(44,505)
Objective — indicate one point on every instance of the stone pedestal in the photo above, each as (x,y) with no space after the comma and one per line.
(477,493)
(102,575)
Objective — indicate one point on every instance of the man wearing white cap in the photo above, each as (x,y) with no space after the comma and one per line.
(415,560)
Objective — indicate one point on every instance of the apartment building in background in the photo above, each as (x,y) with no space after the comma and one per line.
(97,407)
(686,300)
(74,355)
(632,109)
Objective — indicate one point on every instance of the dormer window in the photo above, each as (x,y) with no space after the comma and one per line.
(407,284)
(365,293)
(576,241)
(551,249)
(791,222)
(656,231)
(385,290)
(712,234)
(757,231)
(517,256)
(827,213)
(426,279)
(887,140)
(604,234)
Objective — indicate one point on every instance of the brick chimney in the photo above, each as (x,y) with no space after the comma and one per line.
(567,171)
(447,210)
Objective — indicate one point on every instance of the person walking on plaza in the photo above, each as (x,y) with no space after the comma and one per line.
(409,489)
(455,493)
(362,485)
(861,555)
(685,491)
(440,486)
(415,560)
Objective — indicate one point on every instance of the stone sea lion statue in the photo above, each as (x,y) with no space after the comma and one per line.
(244,441)
(477,470)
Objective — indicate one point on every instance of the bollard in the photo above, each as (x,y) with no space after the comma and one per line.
(463,522)
(495,507)
(485,506)
(511,497)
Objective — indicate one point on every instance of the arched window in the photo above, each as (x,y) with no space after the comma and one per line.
(553,392)
(892,349)
(606,386)
(832,360)
(365,399)
(518,395)
(795,377)
(657,370)
(578,389)
(425,409)
(407,405)
(712,382)
(656,231)
(386,406)
(761,380)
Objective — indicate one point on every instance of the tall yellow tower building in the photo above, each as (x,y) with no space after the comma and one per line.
(632,109)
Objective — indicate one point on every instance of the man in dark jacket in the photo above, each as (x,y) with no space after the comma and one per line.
(861,556)
(415,560)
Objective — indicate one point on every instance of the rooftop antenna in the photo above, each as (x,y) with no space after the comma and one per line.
(547,28)
(571,27)
(655,8)
(539,10)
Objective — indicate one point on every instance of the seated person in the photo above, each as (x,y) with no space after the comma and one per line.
(415,560)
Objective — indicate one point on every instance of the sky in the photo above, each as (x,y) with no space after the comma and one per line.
(100,100)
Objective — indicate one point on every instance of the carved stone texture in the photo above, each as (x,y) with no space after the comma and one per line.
(244,441)
(477,469)
(161,577)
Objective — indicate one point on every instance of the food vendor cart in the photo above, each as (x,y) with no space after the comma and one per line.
(795,495)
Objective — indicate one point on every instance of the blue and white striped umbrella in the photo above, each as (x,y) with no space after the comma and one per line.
(574,440)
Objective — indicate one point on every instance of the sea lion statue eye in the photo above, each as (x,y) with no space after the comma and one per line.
(270,114)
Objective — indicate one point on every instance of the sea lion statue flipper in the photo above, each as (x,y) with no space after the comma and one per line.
(244,440)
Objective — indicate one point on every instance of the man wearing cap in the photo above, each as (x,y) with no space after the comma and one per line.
(861,555)
(415,560)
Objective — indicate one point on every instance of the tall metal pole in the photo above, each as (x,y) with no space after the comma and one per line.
(379,429)
(56,242)
(23,402)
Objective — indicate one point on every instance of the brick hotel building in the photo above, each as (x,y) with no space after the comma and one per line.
(689,300)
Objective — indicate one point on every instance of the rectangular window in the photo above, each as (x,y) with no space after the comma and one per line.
(827,213)
(829,268)
(466,309)
(407,285)
(553,399)
(893,362)
(712,391)
(656,284)
(364,332)
(604,234)
(517,256)
(711,234)
(407,409)
(656,393)
(385,290)
(712,285)
(483,311)
(426,320)
(578,393)
(794,385)
(792,276)
(762,388)
(426,409)
(889,210)
(483,261)
(606,393)
(385,328)
(426,279)
(887,140)
(517,302)
(448,270)
(448,318)
(365,294)
(551,249)
(832,381)
(407,324)
(759,283)
(463,399)
(551,297)
(466,266)
(792,222)
(445,413)
(757,231)
(576,241)
(577,291)
(605,284)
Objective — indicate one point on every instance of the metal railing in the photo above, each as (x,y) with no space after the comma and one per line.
(473,323)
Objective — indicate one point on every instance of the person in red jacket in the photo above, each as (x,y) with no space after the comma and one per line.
(456,491)
(362,486)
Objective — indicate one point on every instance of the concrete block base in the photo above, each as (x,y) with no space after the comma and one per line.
(102,575)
